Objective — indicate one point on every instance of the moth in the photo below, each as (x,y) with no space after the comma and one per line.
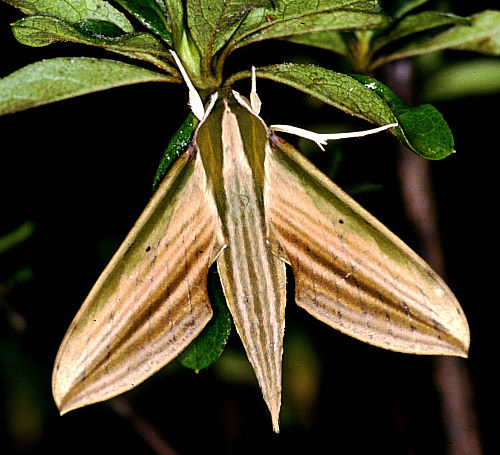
(243,197)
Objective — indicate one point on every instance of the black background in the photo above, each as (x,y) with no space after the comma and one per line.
(81,171)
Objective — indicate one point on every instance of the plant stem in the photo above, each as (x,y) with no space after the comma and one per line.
(142,427)
(450,374)
(359,51)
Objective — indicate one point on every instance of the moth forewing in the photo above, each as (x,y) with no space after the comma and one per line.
(350,271)
(253,279)
(151,300)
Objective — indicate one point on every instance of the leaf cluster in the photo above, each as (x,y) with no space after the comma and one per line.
(409,31)
(205,33)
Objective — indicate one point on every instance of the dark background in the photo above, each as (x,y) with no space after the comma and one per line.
(81,171)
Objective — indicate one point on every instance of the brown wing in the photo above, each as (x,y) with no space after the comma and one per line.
(350,271)
(151,299)
(253,278)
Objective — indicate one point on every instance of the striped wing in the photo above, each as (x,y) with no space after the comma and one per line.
(151,300)
(350,271)
(253,278)
(232,143)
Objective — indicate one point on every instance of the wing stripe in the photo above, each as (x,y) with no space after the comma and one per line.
(350,271)
(151,300)
(248,276)
(259,273)
(253,278)
(308,231)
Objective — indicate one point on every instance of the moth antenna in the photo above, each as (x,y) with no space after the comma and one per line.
(321,139)
(195,103)
(255,101)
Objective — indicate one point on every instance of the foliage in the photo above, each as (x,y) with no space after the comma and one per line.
(205,33)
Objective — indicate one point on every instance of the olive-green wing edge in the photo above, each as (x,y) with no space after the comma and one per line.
(151,300)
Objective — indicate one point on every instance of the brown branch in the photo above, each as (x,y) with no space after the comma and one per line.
(451,375)
(142,427)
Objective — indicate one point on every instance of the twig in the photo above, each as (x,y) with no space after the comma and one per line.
(451,375)
(142,427)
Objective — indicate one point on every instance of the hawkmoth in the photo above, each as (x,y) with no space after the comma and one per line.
(243,197)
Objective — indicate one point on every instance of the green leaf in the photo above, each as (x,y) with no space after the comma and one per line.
(209,344)
(331,41)
(336,89)
(21,276)
(64,77)
(163,7)
(416,23)
(212,23)
(481,35)
(24,407)
(177,145)
(97,30)
(295,8)
(299,17)
(175,15)
(39,31)
(461,79)
(75,11)
(315,23)
(183,43)
(44,30)
(422,128)
(149,13)
(17,236)
(400,7)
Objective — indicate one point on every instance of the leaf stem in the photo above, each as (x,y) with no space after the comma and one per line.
(237,77)
(360,55)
